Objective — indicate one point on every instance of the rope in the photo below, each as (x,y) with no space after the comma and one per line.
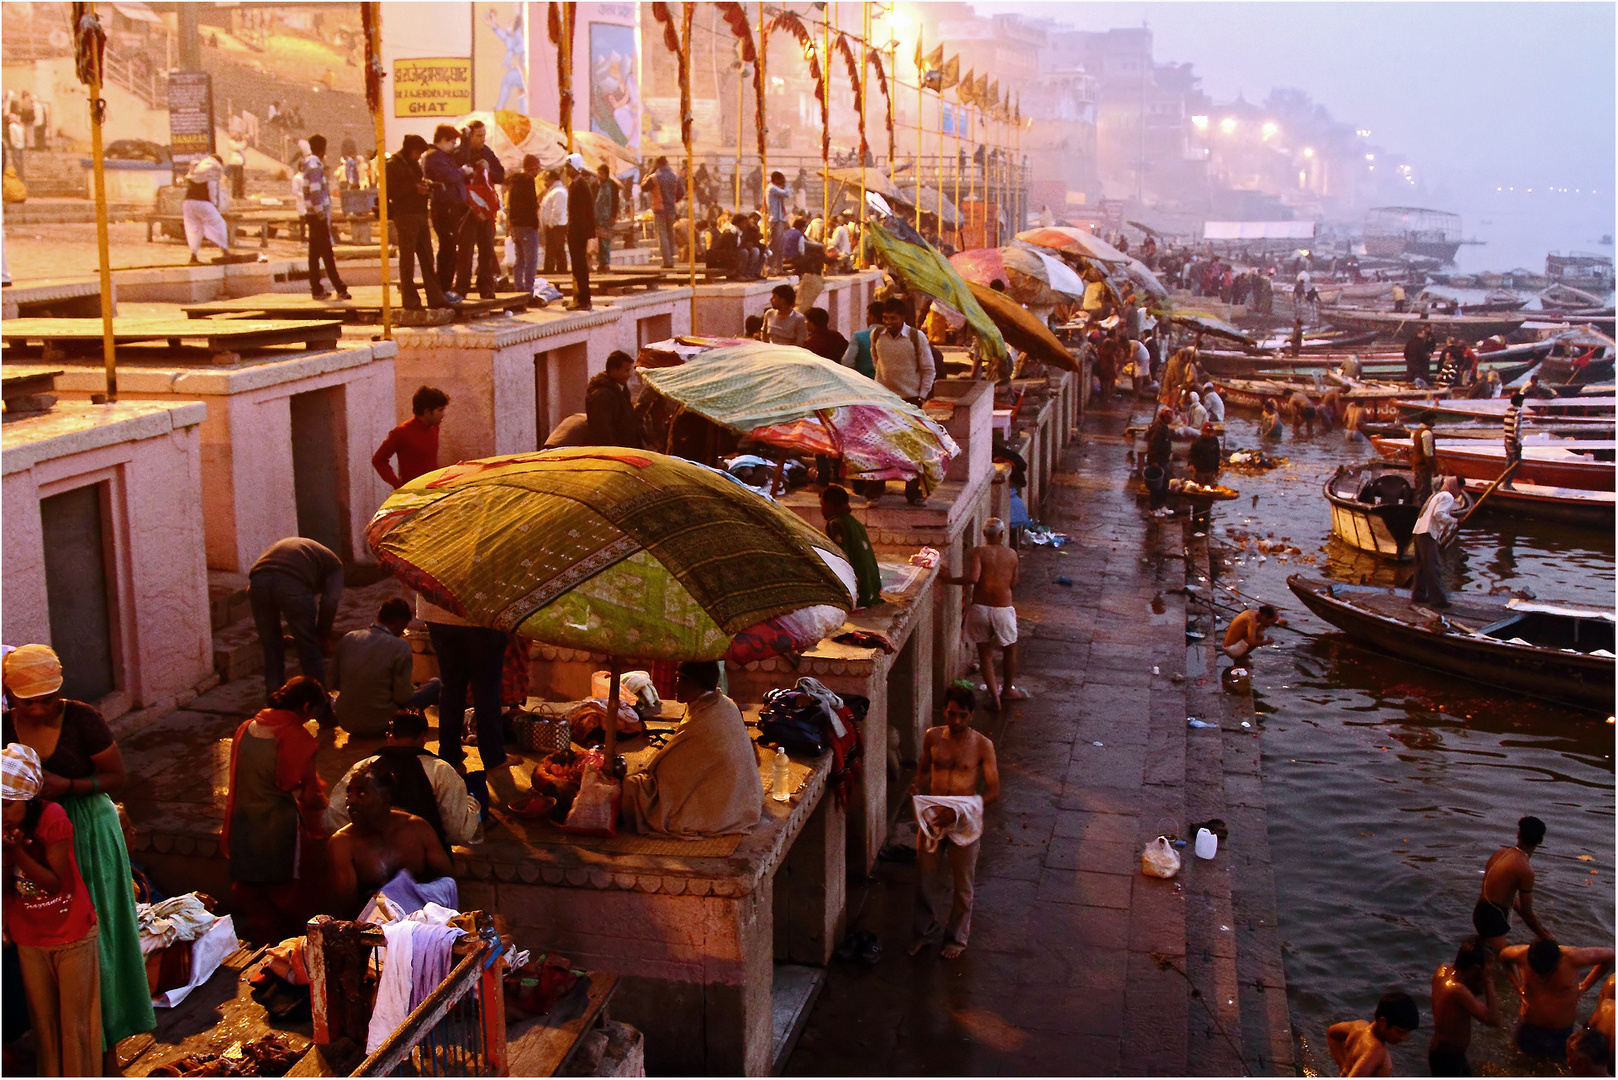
(1167,964)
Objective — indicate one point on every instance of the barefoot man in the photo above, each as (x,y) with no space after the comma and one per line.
(1462,991)
(1589,1051)
(955,778)
(1508,882)
(1360,1047)
(992,571)
(1246,632)
(1551,979)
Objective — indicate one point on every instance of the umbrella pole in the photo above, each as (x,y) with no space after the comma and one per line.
(609,726)
(780,469)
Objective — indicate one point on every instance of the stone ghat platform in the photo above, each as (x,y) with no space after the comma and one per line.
(727,935)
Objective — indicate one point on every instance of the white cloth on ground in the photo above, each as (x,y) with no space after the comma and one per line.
(965,820)
(179,918)
(990,625)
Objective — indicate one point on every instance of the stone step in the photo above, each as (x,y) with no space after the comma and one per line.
(227,598)
(236,651)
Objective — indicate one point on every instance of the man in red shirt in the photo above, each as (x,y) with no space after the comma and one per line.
(415,441)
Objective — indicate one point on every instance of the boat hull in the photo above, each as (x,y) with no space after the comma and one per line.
(1366,531)
(1382,529)
(1488,464)
(1583,509)
(1404,326)
(1575,679)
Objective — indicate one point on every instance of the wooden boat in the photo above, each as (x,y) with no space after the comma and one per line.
(1551,465)
(1560,652)
(1374,508)
(1567,506)
(1578,427)
(1375,397)
(1594,407)
(1402,326)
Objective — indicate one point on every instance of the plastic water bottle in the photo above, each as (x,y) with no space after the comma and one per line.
(781,777)
(1207,844)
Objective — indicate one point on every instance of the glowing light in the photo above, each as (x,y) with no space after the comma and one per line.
(1269,129)
(1308,151)
(1364,133)
(1228,124)
(1200,123)
(1370,157)
(899,21)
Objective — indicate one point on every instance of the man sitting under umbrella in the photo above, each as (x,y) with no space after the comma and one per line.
(705,780)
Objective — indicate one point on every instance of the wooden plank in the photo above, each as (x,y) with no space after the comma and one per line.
(542,1045)
(364,307)
(126,330)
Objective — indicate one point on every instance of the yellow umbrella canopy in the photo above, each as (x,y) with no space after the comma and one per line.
(617,551)
(1022,329)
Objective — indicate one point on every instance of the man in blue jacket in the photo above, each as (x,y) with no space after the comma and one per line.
(448,198)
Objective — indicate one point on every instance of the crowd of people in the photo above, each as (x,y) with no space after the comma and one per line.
(1550,979)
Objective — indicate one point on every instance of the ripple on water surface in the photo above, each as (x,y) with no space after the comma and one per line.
(1389,785)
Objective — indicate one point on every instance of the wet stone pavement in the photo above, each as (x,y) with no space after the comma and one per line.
(1078,963)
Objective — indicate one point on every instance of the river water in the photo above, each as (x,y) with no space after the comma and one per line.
(1389,785)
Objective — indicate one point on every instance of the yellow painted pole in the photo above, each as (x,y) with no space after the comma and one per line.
(865,72)
(938,166)
(825,136)
(972,171)
(918,132)
(109,347)
(382,182)
(763,138)
(690,192)
(960,221)
(740,100)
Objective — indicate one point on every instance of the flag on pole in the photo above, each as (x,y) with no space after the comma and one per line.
(951,74)
(963,92)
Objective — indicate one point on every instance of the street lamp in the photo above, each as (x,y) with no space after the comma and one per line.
(1269,129)
(1200,123)
(1228,124)
(1308,151)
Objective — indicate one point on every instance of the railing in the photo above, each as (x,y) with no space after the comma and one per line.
(151,85)
(458,1030)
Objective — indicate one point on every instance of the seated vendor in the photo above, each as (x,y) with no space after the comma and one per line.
(844,528)
(705,780)
(380,843)
(427,785)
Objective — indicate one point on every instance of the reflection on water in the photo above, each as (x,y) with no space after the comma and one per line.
(1389,785)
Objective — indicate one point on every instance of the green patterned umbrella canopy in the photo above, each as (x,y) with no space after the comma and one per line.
(617,551)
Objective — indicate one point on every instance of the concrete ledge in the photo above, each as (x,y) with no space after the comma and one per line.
(86,292)
(73,427)
(211,380)
(500,333)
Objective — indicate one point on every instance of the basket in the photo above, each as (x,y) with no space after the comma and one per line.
(539,734)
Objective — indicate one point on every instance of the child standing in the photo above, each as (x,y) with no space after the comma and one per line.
(49,915)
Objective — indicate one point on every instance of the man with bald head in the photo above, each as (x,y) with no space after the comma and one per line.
(992,570)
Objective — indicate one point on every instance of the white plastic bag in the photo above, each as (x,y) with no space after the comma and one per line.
(1160,860)
(595,808)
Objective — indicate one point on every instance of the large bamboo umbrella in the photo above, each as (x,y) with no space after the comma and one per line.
(616,551)
(1077,241)
(1022,329)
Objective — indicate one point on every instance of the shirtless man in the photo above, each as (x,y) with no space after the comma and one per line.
(1589,1051)
(1302,412)
(1360,1047)
(992,571)
(955,760)
(1547,975)
(1456,1001)
(1246,631)
(379,841)
(1508,881)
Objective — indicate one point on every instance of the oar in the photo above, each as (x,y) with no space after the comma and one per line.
(1488,491)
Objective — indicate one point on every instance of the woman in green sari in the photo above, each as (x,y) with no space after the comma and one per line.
(82,767)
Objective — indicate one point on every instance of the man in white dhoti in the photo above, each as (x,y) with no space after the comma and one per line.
(200,210)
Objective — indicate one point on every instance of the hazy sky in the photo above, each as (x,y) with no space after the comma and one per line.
(1475,94)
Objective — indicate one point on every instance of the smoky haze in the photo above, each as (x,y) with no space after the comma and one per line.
(1474,95)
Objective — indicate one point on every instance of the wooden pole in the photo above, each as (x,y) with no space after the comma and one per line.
(763,137)
(609,726)
(865,93)
(918,131)
(685,136)
(825,135)
(740,108)
(109,347)
(1502,478)
(960,221)
(382,181)
(938,167)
